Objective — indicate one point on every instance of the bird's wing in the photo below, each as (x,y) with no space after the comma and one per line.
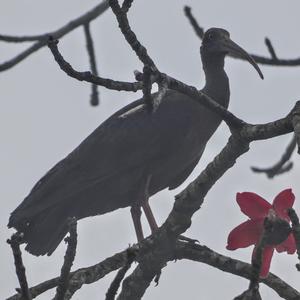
(131,138)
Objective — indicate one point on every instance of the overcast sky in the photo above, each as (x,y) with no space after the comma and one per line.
(45,114)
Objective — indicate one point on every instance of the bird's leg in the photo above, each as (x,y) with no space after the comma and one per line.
(136,209)
(147,209)
(136,217)
(149,215)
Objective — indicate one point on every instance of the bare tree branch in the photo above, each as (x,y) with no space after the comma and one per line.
(22,39)
(271,49)
(283,165)
(82,276)
(88,76)
(43,39)
(160,78)
(91,52)
(163,246)
(68,260)
(205,255)
(15,242)
(147,86)
(113,289)
(198,30)
(126,5)
(130,36)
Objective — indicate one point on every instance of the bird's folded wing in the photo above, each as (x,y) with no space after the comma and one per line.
(131,138)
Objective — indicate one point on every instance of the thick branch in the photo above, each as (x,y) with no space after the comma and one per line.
(205,255)
(43,39)
(190,200)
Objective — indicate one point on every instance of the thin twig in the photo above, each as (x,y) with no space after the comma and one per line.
(68,260)
(198,29)
(114,286)
(283,165)
(93,65)
(271,49)
(130,36)
(22,39)
(70,26)
(126,5)
(14,242)
(88,76)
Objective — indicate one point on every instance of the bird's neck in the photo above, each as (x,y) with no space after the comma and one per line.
(217,83)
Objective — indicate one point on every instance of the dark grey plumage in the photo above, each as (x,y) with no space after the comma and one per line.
(105,172)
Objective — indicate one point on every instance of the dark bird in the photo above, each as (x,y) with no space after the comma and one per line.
(128,158)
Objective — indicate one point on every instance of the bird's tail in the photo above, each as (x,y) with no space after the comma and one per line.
(42,232)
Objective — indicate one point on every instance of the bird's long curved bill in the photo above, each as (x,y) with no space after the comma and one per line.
(237,51)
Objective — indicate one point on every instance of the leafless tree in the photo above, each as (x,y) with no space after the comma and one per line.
(153,253)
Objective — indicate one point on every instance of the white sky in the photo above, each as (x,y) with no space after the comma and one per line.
(45,114)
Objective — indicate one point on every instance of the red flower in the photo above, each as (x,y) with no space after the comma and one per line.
(249,232)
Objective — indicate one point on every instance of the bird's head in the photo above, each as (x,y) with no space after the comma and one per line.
(217,41)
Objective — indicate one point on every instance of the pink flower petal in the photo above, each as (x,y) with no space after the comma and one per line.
(266,261)
(289,245)
(282,202)
(244,235)
(253,205)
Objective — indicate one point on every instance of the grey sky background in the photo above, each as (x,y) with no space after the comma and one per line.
(45,114)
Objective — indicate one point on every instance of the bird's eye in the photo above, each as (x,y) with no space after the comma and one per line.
(210,36)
